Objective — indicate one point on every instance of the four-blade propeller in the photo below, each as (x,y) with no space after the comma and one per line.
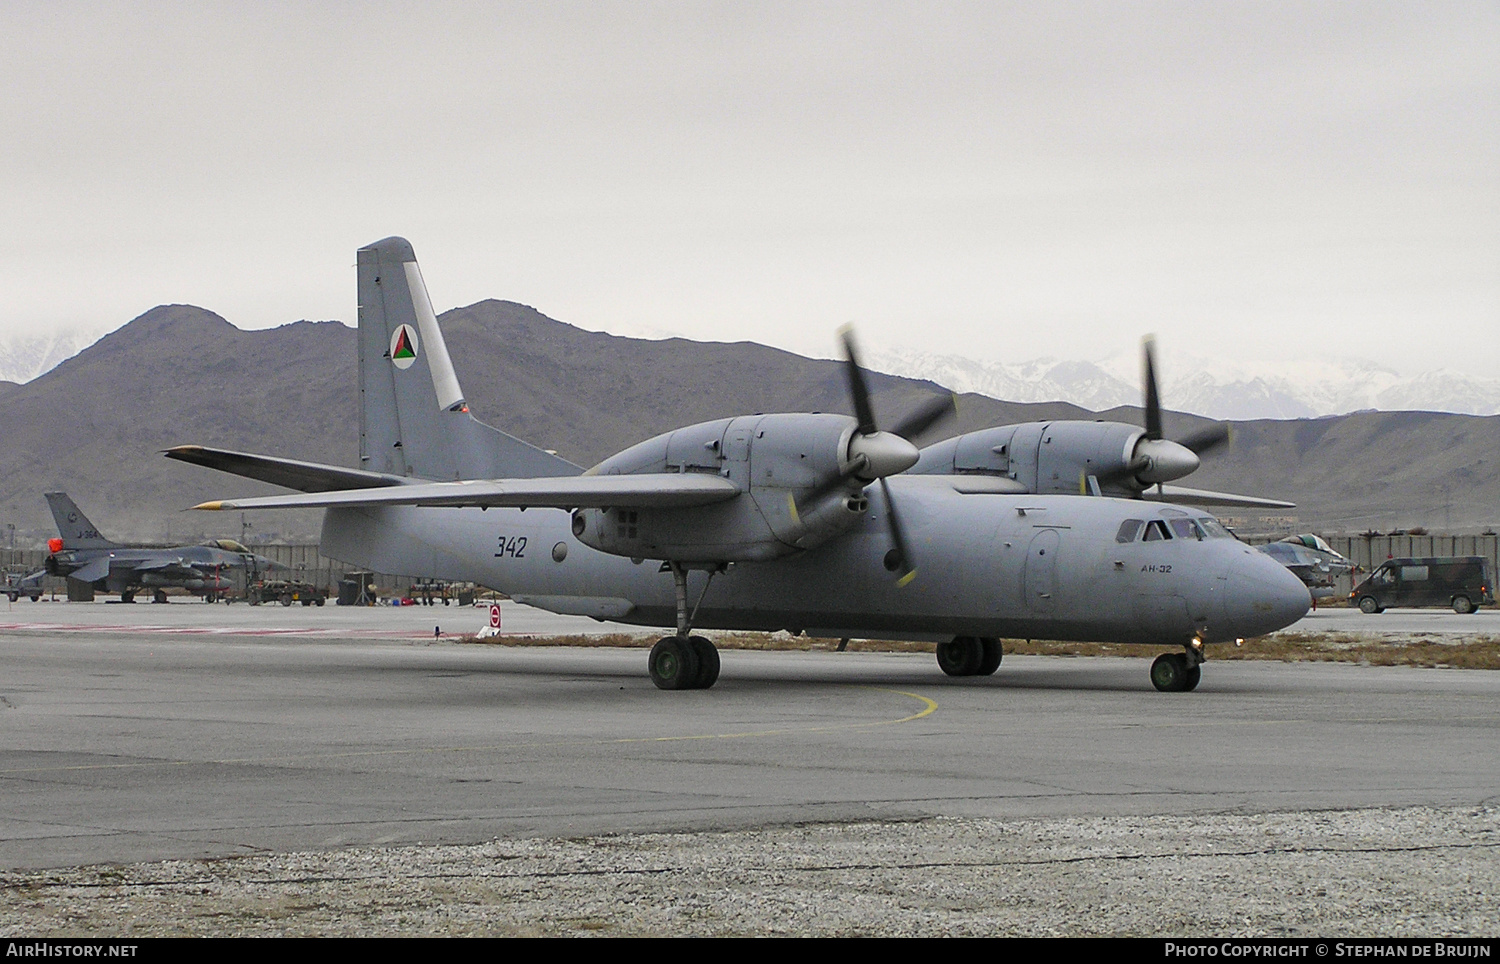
(1157,459)
(874,454)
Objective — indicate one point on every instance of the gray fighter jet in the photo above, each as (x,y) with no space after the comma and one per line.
(802,522)
(1312,560)
(83,554)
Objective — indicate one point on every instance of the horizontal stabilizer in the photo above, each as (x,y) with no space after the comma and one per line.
(93,571)
(578,491)
(302,476)
(1185,496)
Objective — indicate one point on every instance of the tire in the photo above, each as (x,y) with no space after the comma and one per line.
(992,653)
(14,596)
(1462,605)
(708,662)
(1169,673)
(673,664)
(961,656)
(37,598)
(1368,605)
(1193,676)
(286,599)
(318,601)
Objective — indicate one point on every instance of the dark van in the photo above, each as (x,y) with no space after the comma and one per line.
(1463,582)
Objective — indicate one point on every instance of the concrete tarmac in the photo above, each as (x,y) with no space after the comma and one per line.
(132,733)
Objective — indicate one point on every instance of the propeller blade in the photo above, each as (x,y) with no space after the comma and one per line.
(830,485)
(1120,473)
(858,390)
(906,570)
(928,414)
(1206,439)
(1148,378)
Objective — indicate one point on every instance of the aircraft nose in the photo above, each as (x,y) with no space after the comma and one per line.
(1263,595)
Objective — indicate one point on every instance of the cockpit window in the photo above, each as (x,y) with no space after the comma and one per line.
(1186,529)
(1156,531)
(1129,530)
(1215,529)
(228,545)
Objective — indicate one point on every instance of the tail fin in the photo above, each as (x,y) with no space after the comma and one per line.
(413,420)
(75,528)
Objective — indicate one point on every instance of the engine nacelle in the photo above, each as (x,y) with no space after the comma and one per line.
(1056,457)
(778,462)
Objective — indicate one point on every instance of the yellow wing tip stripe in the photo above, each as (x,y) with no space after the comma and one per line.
(212,506)
(906,578)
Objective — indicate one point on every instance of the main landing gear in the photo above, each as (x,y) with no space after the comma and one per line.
(970,656)
(684,662)
(1177,672)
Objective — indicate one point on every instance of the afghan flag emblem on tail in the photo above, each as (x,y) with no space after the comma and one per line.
(403,346)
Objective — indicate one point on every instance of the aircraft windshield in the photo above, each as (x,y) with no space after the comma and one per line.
(1160,530)
(228,545)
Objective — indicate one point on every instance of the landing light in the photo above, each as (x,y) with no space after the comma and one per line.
(1239,642)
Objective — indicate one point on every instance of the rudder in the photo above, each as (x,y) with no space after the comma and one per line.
(413,420)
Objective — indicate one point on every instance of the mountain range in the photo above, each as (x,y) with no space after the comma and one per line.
(1213,386)
(95,424)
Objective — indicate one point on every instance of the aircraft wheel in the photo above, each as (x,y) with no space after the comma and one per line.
(708,662)
(127,597)
(1169,673)
(36,598)
(1462,605)
(960,656)
(1368,605)
(318,601)
(992,654)
(1193,676)
(14,596)
(673,664)
(159,597)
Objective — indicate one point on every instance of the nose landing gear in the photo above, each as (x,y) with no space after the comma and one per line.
(1177,672)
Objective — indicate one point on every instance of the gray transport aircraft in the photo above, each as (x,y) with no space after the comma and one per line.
(810,523)
(83,554)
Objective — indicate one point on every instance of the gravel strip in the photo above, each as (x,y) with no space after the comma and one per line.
(1418,872)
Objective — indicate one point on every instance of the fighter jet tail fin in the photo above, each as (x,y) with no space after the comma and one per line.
(75,528)
(413,420)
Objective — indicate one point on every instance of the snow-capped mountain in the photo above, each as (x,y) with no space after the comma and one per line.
(1214,387)
(24,357)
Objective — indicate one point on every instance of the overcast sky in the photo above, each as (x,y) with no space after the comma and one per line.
(1000,180)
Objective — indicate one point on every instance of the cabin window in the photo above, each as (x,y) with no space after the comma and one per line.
(1129,530)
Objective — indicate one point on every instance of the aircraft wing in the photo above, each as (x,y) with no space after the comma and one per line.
(291,473)
(1185,496)
(570,492)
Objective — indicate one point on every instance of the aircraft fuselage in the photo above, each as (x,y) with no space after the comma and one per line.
(1017,566)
